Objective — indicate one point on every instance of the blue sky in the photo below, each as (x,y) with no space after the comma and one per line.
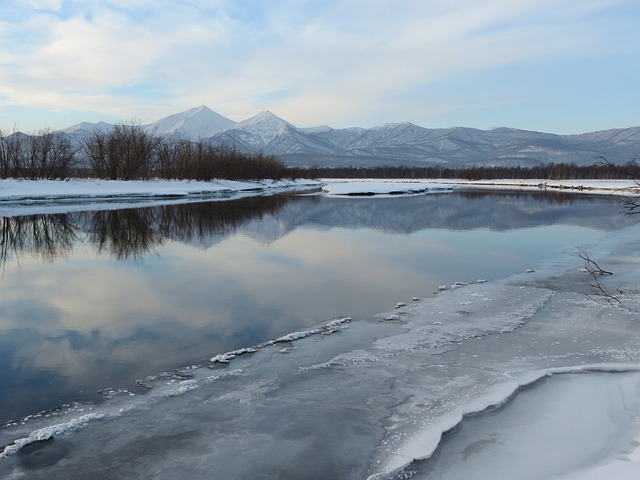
(561,66)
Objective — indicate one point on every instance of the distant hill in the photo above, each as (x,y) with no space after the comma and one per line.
(389,144)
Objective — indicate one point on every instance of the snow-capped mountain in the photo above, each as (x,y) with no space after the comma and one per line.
(409,144)
(389,144)
(194,124)
(269,133)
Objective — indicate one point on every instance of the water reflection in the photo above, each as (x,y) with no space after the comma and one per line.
(129,234)
(49,236)
(102,311)
(554,197)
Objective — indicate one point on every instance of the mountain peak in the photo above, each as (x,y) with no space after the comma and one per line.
(193,124)
(265,117)
(266,126)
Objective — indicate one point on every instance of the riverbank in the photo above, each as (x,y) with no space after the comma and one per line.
(12,190)
(391,186)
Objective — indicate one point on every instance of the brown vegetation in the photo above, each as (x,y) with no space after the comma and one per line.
(552,171)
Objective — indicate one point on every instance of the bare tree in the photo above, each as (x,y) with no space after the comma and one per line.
(5,156)
(11,153)
(47,155)
(126,152)
(62,157)
(175,158)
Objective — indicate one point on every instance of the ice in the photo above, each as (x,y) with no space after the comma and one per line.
(47,433)
(527,357)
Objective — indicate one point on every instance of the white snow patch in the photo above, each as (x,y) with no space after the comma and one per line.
(382,187)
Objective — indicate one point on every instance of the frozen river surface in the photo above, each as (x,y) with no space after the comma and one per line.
(533,375)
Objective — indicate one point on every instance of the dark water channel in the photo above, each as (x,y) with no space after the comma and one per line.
(95,300)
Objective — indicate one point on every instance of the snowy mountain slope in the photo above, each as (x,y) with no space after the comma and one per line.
(390,144)
(254,133)
(194,124)
(271,134)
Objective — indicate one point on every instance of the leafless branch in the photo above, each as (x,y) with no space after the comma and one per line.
(598,292)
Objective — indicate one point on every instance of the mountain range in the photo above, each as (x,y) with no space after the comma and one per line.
(388,144)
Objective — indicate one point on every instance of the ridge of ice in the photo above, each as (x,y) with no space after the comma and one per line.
(327,329)
(46,433)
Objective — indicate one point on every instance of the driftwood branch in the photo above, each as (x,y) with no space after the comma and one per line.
(598,292)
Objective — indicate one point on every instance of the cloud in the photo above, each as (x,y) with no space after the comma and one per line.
(310,62)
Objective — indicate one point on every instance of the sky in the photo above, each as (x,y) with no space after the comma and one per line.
(559,66)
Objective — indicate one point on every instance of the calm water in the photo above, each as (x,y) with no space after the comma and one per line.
(96,300)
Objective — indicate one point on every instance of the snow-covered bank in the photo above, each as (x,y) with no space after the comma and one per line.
(572,426)
(618,187)
(23,197)
(355,187)
(383,187)
(26,190)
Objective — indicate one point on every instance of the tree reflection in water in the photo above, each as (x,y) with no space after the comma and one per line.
(128,234)
(49,236)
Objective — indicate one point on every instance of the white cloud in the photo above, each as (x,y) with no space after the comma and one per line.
(317,62)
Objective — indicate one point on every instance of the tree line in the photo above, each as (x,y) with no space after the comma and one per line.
(128,152)
(600,169)
(42,155)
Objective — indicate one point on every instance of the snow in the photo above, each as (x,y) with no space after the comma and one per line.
(81,190)
(353,187)
(598,407)
(53,189)
(20,197)
(47,433)
(382,187)
(379,393)
(265,125)
(331,327)
(194,124)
